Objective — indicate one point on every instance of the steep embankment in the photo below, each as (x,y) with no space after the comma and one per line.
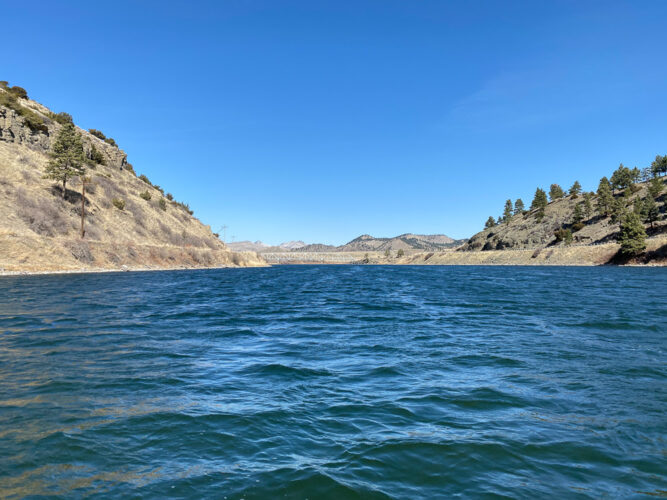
(128,221)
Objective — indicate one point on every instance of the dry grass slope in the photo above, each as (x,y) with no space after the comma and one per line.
(40,231)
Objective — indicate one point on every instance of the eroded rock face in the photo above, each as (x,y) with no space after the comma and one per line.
(13,129)
(113,156)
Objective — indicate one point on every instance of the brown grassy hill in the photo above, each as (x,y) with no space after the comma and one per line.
(406,242)
(526,231)
(129,222)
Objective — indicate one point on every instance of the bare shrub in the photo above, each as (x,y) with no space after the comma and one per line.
(201,257)
(164,233)
(109,187)
(27,176)
(113,257)
(80,251)
(92,231)
(192,240)
(137,212)
(44,215)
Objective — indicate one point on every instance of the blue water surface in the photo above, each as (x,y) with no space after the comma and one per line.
(335,382)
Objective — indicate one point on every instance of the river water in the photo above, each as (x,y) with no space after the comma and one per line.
(335,382)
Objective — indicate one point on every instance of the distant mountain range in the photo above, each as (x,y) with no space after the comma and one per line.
(258,246)
(364,243)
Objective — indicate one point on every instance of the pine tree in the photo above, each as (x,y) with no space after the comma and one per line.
(588,206)
(578,214)
(621,178)
(555,192)
(539,200)
(655,187)
(575,190)
(539,203)
(490,222)
(632,235)
(519,207)
(650,211)
(605,197)
(618,210)
(646,174)
(67,157)
(659,166)
(507,213)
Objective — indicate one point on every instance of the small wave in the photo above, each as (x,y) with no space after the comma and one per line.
(474,360)
(281,370)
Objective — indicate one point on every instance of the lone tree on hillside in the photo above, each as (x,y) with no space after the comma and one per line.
(555,192)
(490,222)
(632,235)
(539,203)
(539,200)
(400,253)
(507,213)
(67,157)
(519,207)
(659,166)
(575,190)
(605,197)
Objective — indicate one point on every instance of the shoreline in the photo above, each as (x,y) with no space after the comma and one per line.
(562,255)
(128,269)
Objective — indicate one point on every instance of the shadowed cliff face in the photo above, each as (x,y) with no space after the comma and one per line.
(128,222)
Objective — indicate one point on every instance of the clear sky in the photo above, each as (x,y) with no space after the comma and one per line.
(324,120)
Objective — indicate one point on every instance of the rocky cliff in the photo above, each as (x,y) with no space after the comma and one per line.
(129,222)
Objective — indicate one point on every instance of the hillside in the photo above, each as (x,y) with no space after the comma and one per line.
(129,222)
(365,243)
(406,242)
(576,219)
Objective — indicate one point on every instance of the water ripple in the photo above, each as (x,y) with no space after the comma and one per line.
(335,382)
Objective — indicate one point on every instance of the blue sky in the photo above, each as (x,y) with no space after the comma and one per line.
(321,120)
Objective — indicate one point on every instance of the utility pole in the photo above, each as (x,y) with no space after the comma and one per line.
(84,182)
